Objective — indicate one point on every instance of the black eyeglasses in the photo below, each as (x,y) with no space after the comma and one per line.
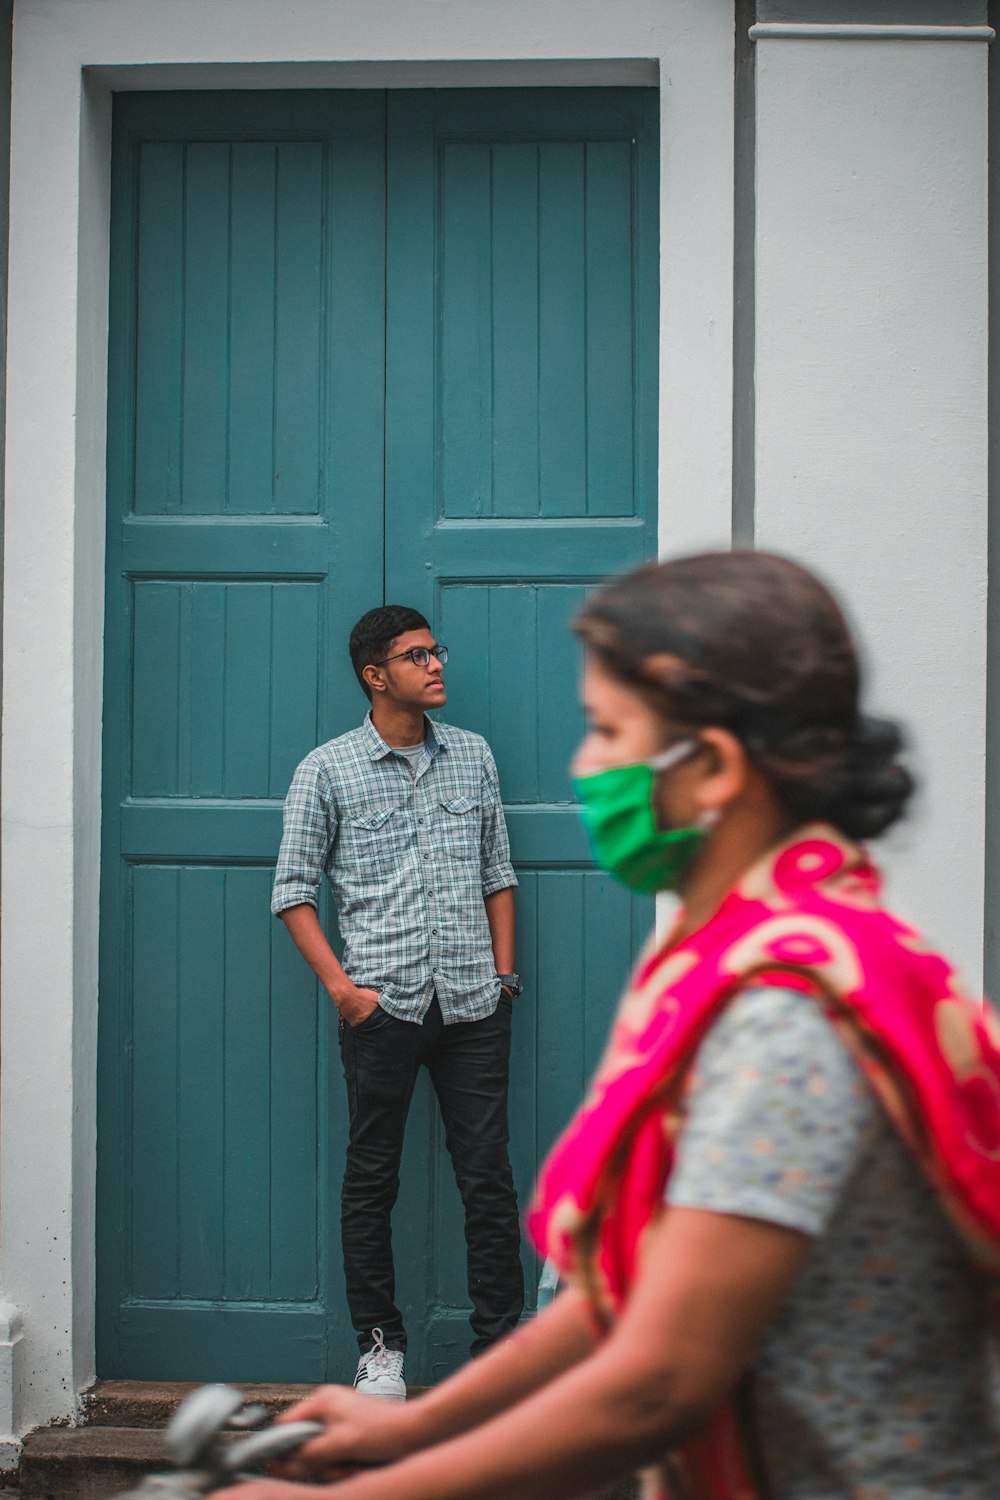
(419,655)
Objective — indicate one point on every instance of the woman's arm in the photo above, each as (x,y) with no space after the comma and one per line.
(360,1429)
(709,1286)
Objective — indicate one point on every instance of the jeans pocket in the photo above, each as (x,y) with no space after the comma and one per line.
(375,1019)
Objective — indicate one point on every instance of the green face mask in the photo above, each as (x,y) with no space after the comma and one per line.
(617,808)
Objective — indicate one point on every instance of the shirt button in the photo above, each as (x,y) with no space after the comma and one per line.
(434,971)
(420,820)
(426,856)
(434,932)
(430,893)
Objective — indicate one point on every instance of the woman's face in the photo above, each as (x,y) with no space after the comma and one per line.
(621,728)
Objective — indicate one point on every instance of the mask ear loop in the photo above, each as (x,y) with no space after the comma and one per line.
(673,755)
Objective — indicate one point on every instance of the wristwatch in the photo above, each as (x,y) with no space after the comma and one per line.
(513,983)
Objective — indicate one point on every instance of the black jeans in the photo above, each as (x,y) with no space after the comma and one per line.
(468,1063)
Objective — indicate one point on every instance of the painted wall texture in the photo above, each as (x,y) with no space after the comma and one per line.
(871,301)
(864,317)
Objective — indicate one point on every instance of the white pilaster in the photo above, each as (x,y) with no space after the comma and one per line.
(871,386)
(10,1340)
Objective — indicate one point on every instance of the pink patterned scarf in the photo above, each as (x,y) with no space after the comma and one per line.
(806,916)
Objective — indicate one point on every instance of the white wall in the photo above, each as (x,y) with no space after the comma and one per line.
(55,489)
(871,459)
(871,305)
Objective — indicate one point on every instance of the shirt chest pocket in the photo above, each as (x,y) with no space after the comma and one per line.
(377,838)
(458,828)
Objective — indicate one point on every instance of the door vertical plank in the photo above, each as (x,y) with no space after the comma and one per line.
(247,1096)
(155,689)
(467,331)
(186,708)
(252,330)
(201,1081)
(292,721)
(156,1103)
(610,330)
(527,1068)
(511,652)
(608,936)
(515,320)
(159,333)
(558,691)
(562,346)
(464,627)
(207,689)
(297,1055)
(562,992)
(204,434)
(299,335)
(247,689)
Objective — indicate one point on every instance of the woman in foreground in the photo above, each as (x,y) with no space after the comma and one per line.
(778,1211)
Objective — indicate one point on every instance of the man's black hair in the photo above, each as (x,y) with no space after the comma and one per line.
(373,635)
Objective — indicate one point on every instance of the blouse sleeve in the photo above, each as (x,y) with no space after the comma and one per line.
(778,1115)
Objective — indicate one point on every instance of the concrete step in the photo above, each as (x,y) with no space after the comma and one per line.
(86,1463)
(123,1440)
(151,1403)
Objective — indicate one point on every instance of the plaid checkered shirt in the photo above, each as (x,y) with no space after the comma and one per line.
(409,855)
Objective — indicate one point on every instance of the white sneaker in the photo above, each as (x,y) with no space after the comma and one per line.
(380,1371)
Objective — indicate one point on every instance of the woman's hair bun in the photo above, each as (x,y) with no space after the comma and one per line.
(862,789)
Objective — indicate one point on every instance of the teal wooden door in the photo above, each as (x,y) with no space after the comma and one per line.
(520,469)
(363,347)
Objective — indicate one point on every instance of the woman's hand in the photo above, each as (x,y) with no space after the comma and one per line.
(359,1431)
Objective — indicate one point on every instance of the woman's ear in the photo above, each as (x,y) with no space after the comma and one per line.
(725,771)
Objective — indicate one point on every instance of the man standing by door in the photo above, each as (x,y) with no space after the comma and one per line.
(404,818)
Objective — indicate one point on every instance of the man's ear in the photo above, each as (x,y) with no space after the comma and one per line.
(373,677)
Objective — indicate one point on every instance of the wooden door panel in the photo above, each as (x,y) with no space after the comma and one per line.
(537,411)
(245,537)
(225,1098)
(215,710)
(521,334)
(228,339)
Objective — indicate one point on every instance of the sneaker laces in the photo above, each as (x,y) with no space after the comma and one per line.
(382,1361)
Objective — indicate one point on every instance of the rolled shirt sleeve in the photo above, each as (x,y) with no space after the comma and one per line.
(310,825)
(496,869)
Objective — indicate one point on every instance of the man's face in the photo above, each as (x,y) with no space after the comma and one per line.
(401,681)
